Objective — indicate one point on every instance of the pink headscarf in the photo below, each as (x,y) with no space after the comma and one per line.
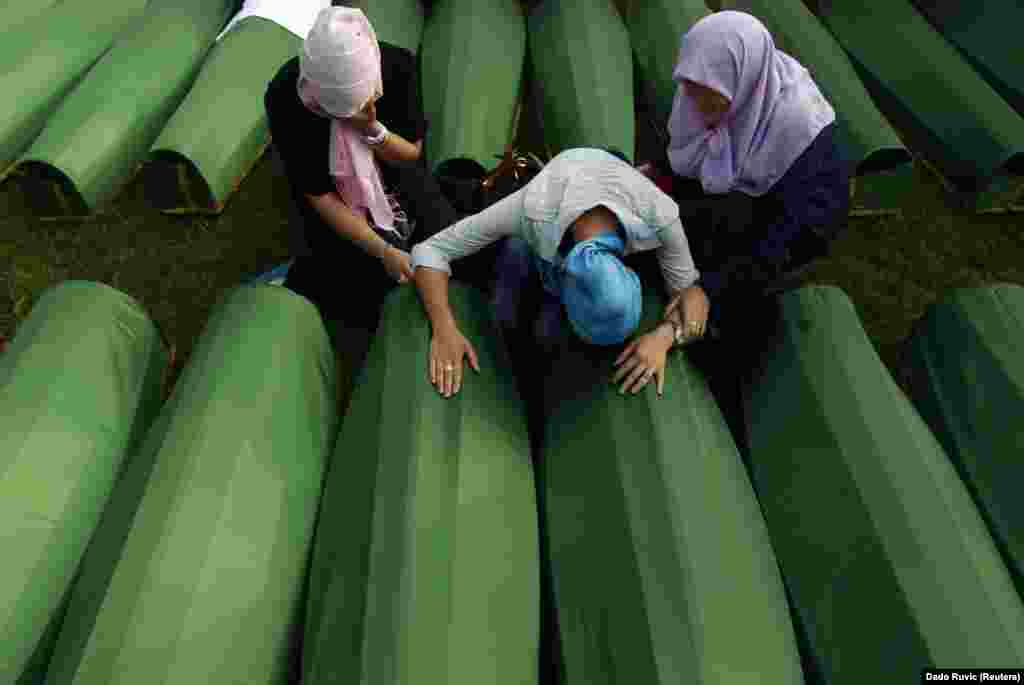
(340,71)
(776,109)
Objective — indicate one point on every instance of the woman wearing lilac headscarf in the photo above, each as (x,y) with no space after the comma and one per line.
(752,163)
(755,168)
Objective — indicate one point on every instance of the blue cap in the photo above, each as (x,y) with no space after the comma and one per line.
(601,294)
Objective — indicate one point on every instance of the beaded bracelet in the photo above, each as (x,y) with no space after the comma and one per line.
(373,140)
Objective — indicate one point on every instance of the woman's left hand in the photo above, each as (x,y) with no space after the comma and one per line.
(643,359)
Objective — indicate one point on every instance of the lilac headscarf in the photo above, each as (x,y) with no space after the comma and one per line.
(776,109)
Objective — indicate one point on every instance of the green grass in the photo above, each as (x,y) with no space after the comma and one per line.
(177,267)
(892,267)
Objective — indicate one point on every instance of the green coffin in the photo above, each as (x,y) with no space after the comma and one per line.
(220,130)
(661,564)
(101,132)
(43,60)
(945,109)
(967,380)
(425,567)
(471,72)
(987,33)
(79,385)
(655,27)
(196,572)
(583,75)
(889,566)
(399,22)
(14,12)
(868,139)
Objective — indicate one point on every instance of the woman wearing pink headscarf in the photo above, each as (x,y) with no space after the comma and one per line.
(761,185)
(347,124)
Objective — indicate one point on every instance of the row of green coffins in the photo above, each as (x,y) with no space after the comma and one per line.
(108,88)
(243,531)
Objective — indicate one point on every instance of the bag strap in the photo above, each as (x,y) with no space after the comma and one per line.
(508,163)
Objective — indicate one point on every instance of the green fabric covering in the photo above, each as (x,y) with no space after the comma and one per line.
(14,12)
(583,73)
(425,567)
(102,130)
(79,385)
(945,109)
(220,130)
(655,27)
(888,563)
(865,135)
(471,71)
(43,60)
(987,33)
(967,380)
(399,22)
(661,563)
(196,571)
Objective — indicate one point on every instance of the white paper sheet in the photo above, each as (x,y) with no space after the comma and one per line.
(297,16)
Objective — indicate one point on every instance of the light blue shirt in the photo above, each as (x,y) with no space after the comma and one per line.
(540,213)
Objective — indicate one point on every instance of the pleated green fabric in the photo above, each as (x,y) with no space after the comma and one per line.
(399,22)
(79,385)
(866,136)
(425,567)
(45,57)
(14,12)
(967,380)
(101,132)
(661,564)
(655,28)
(220,129)
(945,109)
(196,572)
(583,75)
(472,71)
(888,563)
(987,33)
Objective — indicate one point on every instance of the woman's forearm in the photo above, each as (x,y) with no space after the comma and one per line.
(395,148)
(348,224)
(432,285)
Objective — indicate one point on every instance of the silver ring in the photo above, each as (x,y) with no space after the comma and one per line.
(449,367)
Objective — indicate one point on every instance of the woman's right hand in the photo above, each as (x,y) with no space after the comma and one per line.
(447,349)
(398,264)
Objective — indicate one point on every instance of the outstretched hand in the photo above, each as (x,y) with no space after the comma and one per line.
(448,348)
(643,359)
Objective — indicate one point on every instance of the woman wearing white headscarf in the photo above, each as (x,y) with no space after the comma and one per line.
(761,185)
(347,123)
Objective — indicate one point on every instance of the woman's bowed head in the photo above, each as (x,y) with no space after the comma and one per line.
(603,303)
(341,79)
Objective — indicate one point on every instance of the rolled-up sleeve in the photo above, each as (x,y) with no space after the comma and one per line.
(675,258)
(472,234)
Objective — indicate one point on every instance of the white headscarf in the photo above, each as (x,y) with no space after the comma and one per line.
(776,109)
(339,71)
